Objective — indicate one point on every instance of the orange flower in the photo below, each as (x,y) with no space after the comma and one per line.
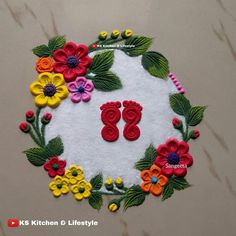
(153,181)
(44,64)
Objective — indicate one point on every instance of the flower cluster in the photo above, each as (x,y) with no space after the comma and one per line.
(115,34)
(72,180)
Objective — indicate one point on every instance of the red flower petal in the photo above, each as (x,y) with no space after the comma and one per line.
(80,70)
(160,161)
(47,166)
(183,148)
(86,61)
(172,144)
(167,171)
(53,160)
(82,51)
(59,67)
(186,159)
(70,48)
(69,74)
(52,173)
(61,163)
(61,171)
(162,150)
(180,172)
(60,55)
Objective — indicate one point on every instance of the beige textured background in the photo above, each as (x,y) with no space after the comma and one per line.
(198,37)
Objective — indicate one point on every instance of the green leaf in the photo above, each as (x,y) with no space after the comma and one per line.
(134,196)
(97,181)
(55,146)
(37,156)
(180,183)
(149,157)
(56,43)
(195,115)
(168,190)
(106,81)
(180,104)
(102,62)
(42,51)
(156,64)
(140,45)
(95,200)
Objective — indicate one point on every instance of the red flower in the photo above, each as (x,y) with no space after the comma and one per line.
(24,127)
(72,61)
(54,166)
(173,157)
(48,116)
(177,123)
(29,114)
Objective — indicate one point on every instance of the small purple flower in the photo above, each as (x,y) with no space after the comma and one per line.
(80,89)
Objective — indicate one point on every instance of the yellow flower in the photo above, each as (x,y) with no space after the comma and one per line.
(109,181)
(127,33)
(103,35)
(115,34)
(74,174)
(114,205)
(81,190)
(119,180)
(59,186)
(49,89)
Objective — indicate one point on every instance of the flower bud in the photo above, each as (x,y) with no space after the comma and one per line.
(24,127)
(114,205)
(119,183)
(46,118)
(115,34)
(177,123)
(103,35)
(109,184)
(127,34)
(30,116)
(194,134)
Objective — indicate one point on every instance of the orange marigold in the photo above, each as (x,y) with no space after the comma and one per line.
(44,64)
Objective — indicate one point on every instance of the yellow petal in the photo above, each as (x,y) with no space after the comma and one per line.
(78,196)
(65,181)
(88,186)
(74,188)
(58,79)
(86,194)
(58,179)
(82,184)
(79,169)
(54,101)
(73,180)
(68,174)
(52,186)
(41,100)
(62,91)
(56,193)
(45,78)
(65,189)
(80,177)
(36,88)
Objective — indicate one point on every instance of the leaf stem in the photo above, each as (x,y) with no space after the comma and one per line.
(35,139)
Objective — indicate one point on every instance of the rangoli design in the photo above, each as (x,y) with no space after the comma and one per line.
(76,75)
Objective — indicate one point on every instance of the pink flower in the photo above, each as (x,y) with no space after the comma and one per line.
(72,60)
(173,157)
(80,89)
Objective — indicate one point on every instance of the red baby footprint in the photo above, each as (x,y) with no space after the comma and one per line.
(132,115)
(110,116)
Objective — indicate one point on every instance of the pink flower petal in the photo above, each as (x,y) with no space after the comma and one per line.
(162,150)
(59,67)
(72,87)
(60,55)
(172,144)
(186,159)
(80,81)
(86,96)
(69,74)
(180,172)
(70,48)
(167,171)
(183,148)
(82,51)
(160,161)
(89,86)
(75,97)
(80,70)
(86,61)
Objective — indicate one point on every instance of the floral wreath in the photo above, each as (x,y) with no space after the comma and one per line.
(65,69)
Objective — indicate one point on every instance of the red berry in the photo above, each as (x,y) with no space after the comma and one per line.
(94,45)
(176,122)
(24,127)
(196,133)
